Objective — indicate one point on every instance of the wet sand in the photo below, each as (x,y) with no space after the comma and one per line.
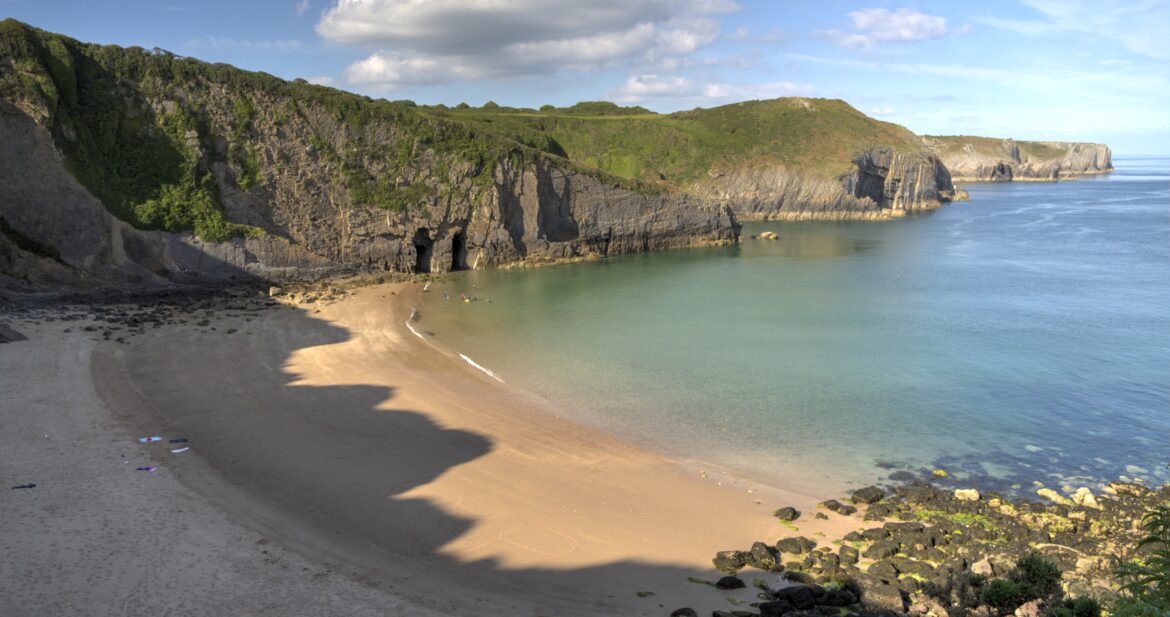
(346,441)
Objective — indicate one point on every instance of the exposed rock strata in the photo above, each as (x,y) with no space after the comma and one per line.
(978,159)
(883,184)
(531,213)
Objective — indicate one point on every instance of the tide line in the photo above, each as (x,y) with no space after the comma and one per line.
(414,312)
(485,370)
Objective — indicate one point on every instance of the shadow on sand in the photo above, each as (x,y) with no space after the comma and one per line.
(316,467)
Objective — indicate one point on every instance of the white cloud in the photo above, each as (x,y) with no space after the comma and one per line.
(642,87)
(1141,26)
(302,7)
(875,26)
(437,41)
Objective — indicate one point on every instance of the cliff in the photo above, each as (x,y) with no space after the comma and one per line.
(984,159)
(791,158)
(126,165)
(884,183)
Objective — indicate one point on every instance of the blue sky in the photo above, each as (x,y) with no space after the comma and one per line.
(1028,69)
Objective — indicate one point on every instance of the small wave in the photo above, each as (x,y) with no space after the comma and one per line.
(484,369)
(410,327)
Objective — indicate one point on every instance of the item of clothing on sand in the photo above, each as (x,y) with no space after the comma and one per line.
(178,450)
(147,468)
(178,440)
(150,439)
(25,486)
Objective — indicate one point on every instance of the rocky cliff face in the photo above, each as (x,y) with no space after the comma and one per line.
(884,183)
(531,212)
(979,159)
(107,155)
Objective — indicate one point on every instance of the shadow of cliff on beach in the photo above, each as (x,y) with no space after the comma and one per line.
(316,467)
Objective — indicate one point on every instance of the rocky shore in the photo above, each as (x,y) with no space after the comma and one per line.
(926,551)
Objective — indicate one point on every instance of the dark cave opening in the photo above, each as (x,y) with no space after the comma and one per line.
(422,249)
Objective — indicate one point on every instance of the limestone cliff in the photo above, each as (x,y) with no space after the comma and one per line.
(884,183)
(983,159)
(125,165)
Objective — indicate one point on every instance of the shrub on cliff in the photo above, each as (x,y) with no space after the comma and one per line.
(1145,577)
(1034,578)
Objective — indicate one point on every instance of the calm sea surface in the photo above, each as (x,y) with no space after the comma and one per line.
(1021,336)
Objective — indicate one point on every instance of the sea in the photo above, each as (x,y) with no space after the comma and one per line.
(1018,339)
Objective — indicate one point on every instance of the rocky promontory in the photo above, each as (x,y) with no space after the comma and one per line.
(885,183)
(984,159)
(922,550)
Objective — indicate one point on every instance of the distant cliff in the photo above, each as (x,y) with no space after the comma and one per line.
(984,159)
(884,183)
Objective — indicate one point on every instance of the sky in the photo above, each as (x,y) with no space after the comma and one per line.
(1028,69)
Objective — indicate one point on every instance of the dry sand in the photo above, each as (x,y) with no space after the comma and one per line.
(377,467)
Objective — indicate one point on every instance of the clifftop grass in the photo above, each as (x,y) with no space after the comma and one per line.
(993,147)
(816,136)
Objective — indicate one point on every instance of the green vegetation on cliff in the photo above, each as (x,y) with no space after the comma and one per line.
(145,132)
(816,136)
(167,142)
(994,147)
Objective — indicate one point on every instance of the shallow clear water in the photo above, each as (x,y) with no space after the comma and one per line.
(1024,335)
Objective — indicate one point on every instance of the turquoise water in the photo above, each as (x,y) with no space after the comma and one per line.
(1021,336)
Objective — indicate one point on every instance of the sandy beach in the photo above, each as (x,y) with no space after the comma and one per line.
(339,461)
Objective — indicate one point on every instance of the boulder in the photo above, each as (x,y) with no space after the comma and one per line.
(763,557)
(848,554)
(798,545)
(966,494)
(1128,489)
(884,570)
(730,562)
(8,335)
(1054,497)
(787,513)
(838,507)
(881,549)
(838,597)
(684,612)
(1084,497)
(883,597)
(800,597)
(730,582)
(867,495)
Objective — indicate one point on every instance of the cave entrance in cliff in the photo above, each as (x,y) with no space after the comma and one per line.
(459,251)
(422,250)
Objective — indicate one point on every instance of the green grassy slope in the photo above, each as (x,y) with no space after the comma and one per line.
(816,136)
(993,147)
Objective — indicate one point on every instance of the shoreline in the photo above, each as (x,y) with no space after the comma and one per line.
(287,503)
(343,438)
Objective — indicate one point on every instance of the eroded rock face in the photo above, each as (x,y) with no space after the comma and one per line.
(534,213)
(884,183)
(983,160)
